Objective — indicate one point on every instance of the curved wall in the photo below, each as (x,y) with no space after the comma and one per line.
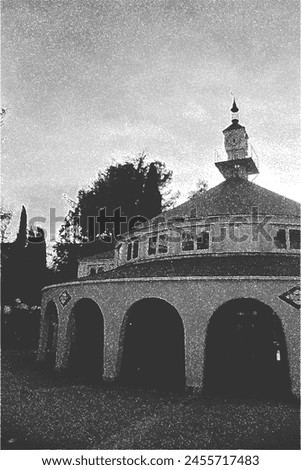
(224,234)
(194,298)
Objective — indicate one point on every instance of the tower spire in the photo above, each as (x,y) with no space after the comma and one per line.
(236,145)
(234,112)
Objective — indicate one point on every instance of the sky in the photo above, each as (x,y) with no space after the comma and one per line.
(90,82)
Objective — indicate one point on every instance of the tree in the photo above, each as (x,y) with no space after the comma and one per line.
(13,262)
(201,187)
(134,187)
(35,267)
(151,203)
(22,233)
(5,217)
(24,265)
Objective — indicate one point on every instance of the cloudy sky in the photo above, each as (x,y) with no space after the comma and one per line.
(87,82)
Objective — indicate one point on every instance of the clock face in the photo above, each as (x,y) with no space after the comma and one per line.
(234,140)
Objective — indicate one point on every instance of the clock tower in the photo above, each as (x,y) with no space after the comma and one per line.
(236,146)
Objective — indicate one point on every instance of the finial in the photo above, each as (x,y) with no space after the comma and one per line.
(234,108)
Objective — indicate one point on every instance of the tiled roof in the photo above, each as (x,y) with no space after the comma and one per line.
(233,126)
(236,196)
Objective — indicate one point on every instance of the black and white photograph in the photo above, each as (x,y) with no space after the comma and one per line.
(150,232)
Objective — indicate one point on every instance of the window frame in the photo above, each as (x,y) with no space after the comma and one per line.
(195,234)
(135,249)
(156,240)
(296,231)
(280,229)
(207,232)
(129,251)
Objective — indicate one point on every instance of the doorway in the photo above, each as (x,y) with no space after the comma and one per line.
(87,338)
(245,353)
(153,353)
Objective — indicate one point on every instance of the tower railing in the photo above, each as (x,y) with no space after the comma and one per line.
(253,155)
(219,155)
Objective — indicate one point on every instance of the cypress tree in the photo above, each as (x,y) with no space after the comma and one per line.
(151,204)
(22,233)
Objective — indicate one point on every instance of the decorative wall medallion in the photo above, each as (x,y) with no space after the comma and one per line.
(64,298)
(292,297)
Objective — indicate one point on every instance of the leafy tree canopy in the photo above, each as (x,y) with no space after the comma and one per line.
(136,187)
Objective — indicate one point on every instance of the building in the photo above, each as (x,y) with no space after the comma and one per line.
(205,295)
(95,264)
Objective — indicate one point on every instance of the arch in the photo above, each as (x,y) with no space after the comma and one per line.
(51,325)
(245,352)
(153,346)
(87,340)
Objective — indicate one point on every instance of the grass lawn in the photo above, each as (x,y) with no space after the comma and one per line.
(43,411)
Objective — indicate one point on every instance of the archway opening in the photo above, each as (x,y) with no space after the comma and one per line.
(87,338)
(153,353)
(246,353)
(51,319)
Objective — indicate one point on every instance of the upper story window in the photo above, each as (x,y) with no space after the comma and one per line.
(135,249)
(152,245)
(192,241)
(289,237)
(187,241)
(119,252)
(129,252)
(280,239)
(294,237)
(92,271)
(202,241)
(162,243)
(158,244)
(132,250)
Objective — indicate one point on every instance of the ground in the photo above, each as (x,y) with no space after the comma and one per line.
(41,410)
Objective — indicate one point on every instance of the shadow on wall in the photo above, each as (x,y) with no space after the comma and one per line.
(86,342)
(153,346)
(246,354)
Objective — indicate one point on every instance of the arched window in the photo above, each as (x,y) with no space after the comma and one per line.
(92,271)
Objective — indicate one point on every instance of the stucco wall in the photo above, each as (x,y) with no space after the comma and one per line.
(85,265)
(195,299)
(235,234)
